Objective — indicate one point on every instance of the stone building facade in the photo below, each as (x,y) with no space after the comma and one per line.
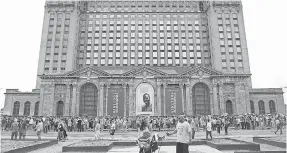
(159,58)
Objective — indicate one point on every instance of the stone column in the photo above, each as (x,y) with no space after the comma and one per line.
(134,101)
(74,98)
(54,103)
(158,110)
(191,102)
(125,100)
(67,103)
(164,102)
(188,100)
(107,89)
(215,102)
(131,100)
(221,99)
(182,98)
(101,101)
(211,100)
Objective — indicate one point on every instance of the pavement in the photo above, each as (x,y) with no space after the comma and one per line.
(74,137)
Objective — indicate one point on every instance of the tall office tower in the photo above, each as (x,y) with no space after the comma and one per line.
(159,57)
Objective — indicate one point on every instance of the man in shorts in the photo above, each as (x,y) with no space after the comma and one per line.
(183,131)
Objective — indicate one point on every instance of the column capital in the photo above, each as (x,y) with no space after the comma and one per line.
(74,84)
(102,85)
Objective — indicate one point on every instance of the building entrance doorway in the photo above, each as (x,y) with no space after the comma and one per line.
(88,100)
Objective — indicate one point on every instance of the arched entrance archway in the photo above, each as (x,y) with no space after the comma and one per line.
(60,108)
(200,99)
(88,100)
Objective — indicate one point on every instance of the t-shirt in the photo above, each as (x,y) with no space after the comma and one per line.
(208,126)
(183,130)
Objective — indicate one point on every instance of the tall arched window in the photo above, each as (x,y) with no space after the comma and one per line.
(16,108)
(261,107)
(27,108)
(272,107)
(229,109)
(252,106)
(36,111)
(60,108)
(200,99)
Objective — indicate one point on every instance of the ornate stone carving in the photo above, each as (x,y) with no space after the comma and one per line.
(228,88)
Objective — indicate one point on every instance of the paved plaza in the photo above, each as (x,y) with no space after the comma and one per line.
(73,137)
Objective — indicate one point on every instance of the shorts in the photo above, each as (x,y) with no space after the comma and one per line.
(182,147)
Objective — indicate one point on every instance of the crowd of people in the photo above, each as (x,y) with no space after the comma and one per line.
(21,124)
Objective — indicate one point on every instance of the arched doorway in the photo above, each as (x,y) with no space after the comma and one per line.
(16,108)
(60,108)
(229,109)
(27,108)
(261,107)
(36,110)
(200,99)
(252,107)
(88,100)
(272,107)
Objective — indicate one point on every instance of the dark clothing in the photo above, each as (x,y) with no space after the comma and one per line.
(181,147)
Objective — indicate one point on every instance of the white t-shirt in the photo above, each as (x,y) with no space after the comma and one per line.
(183,130)
(208,126)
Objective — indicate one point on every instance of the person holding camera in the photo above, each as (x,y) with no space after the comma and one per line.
(183,131)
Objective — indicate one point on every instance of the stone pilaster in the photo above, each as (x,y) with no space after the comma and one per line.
(158,110)
(164,102)
(215,100)
(130,100)
(191,101)
(182,98)
(101,100)
(106,104)
(67,103)
(54,103)
(125,100)
(74,99)
(211,100)
(188,100)
(221,99)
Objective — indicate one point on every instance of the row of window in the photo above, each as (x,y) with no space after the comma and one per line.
(261,106)
(188,16)
(27,108)
(145,8)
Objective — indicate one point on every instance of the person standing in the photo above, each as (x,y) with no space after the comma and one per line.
(226,125)
(97,130)
(39,129)
(15,129)
(193,127)
(208,129)
(279,124)
(183,131)
(23,129)
(113,130)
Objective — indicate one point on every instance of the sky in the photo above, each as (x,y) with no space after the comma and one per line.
(21,28)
